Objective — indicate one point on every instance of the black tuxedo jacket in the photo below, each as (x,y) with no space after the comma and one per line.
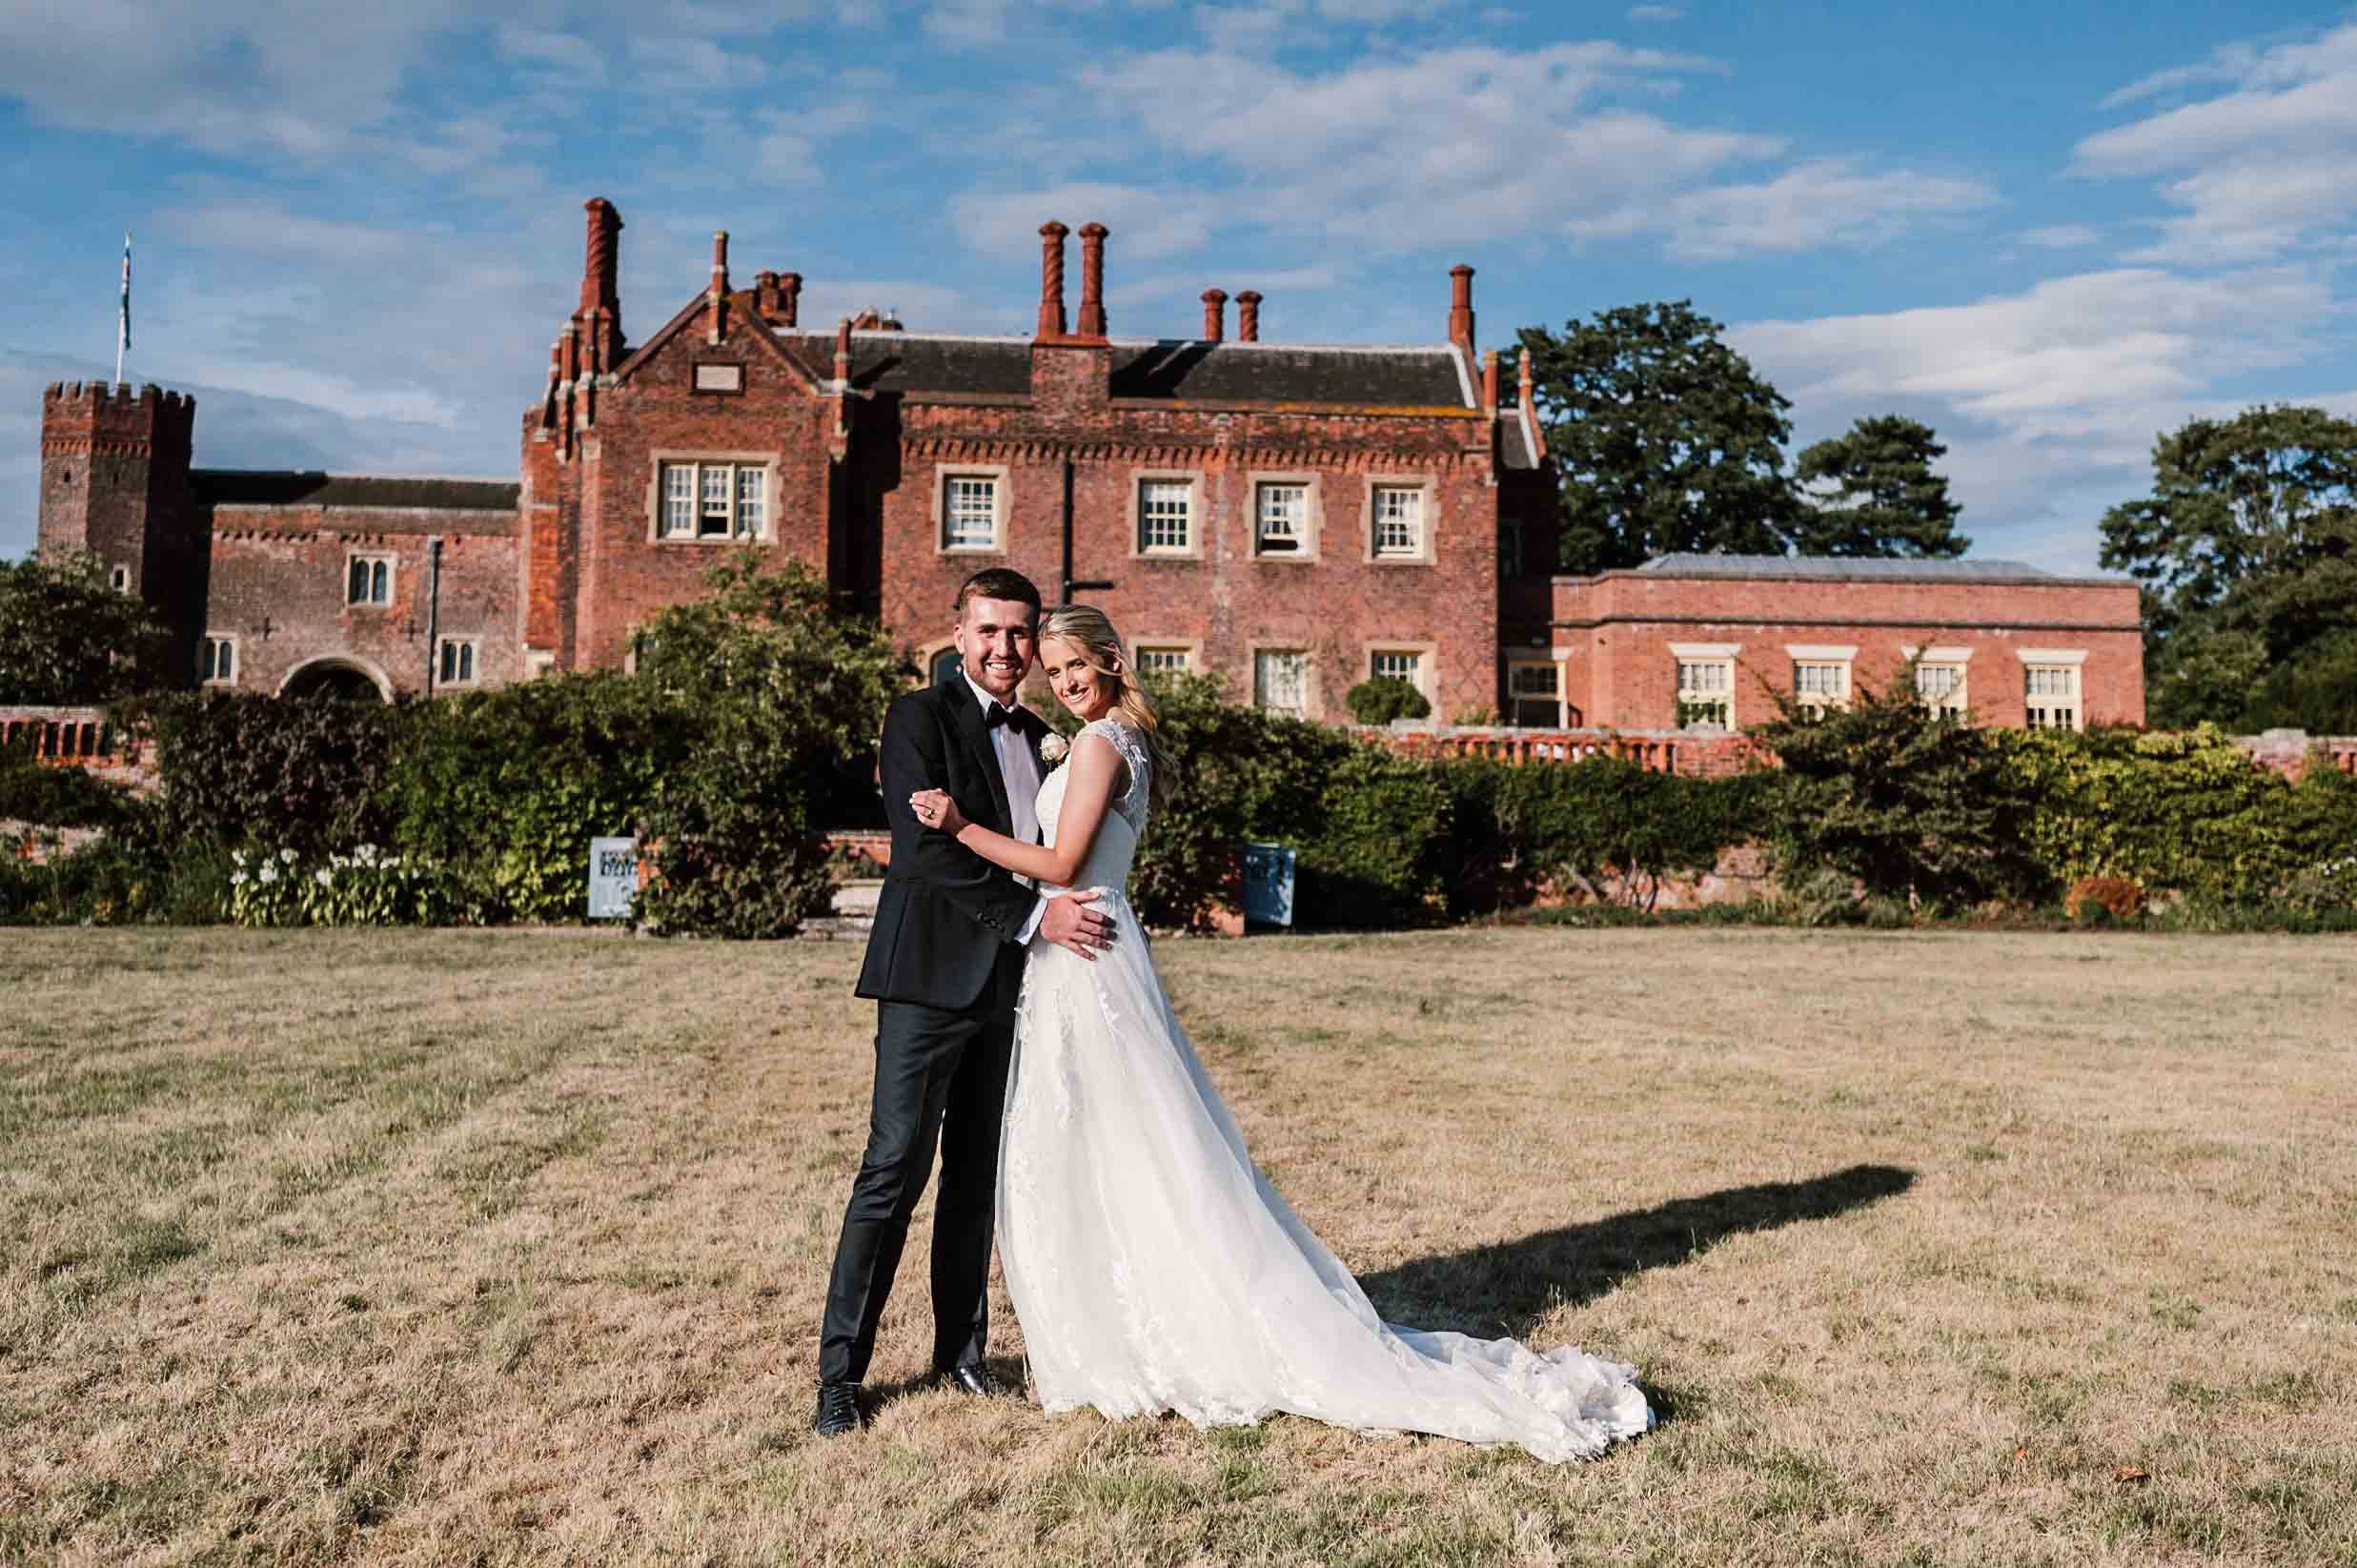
(946,918)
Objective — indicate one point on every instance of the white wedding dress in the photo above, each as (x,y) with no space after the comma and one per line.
(1154,1268)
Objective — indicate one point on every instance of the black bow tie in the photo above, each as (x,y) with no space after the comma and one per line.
(994,714)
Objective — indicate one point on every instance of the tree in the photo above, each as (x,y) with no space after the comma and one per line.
(1667,439)
(66,636)
(1878,494)
(2247,547)
(1381,699)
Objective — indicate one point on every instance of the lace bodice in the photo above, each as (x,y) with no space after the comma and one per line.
(1108,865)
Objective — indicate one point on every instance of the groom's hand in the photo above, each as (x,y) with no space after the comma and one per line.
(1069,922)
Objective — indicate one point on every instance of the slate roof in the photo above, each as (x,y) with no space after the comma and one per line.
(1848,568)
(1168,368)
(297,487)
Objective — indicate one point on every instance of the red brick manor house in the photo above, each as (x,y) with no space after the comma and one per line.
(1293,517)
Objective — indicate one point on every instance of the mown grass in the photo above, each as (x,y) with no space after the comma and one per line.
(510,1247)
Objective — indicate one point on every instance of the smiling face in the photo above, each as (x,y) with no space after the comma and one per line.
(996,638)
(1075,680)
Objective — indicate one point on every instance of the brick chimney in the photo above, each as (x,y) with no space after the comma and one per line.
(719,284)
(1248,316)
(1214,315)
(1489,383)
(1524,394)
(1051,280)
(789,296)
(602,303)
(1461,307)
(765,293)
(1092,279)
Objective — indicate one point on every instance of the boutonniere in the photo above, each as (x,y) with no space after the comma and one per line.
(1052,748)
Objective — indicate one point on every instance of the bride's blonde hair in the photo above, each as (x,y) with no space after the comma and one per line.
(1085,627)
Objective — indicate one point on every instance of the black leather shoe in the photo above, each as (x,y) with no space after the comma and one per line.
(838,1410)
(972,1379)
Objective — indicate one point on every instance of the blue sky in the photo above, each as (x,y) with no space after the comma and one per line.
(2050,231)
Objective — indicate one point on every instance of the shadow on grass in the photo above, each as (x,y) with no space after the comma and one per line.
(1510,1285)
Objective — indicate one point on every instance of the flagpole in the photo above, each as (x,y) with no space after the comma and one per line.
(122,321)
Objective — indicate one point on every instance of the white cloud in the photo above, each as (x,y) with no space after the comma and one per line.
(2059,236)
(2259,171)
(1145,223)
(2049,398)
(1654,13)
(1813,206)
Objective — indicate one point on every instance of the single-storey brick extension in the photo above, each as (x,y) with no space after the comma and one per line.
(1293,517)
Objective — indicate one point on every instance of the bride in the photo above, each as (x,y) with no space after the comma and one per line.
(1151,1265)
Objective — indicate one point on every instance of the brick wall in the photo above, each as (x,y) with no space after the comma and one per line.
(1614,635)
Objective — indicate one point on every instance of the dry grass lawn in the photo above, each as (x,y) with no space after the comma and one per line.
(504,1247)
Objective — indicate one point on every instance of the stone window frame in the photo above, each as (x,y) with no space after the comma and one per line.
(930,654)
(1842,654)
(1681,654)
(473,643)
(662,457)
(1427,663)
(390,560)
(119,579)
(2040,660)
(1942,657)
(1001,500)
(1312,706)
(1198,520)
(1555,660)
(1314,502)
(1191,649)
(205,659)
(1424,483)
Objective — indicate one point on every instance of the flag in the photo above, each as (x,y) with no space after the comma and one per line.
(123,337)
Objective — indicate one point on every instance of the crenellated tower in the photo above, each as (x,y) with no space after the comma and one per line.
(115,484)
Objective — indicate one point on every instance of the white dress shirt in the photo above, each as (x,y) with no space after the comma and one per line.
(1020,774)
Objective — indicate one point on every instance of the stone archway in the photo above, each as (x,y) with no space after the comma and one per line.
(337,677)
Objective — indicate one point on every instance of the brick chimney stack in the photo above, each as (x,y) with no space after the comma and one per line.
(1489,383)
(1524,392)
(601,303)
(843,351)
(1461,307)
(1248,316)
(789,295)
(1214,315)
(1092,279)
(1051,280)
(719,284)
(765,293)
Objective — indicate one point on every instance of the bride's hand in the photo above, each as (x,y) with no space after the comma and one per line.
(934,808)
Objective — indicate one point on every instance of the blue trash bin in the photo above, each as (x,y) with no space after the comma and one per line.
(1269,884)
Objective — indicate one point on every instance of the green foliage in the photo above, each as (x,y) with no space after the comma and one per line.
(1595,822)
(1872,492)
(287,770)
(130,875)
(1383,697)
(56,797)
(366,887)
(1909,804)
(2248,547)
(507,787)
(2188,812)
(1667,438)
(67,637)
(784,693)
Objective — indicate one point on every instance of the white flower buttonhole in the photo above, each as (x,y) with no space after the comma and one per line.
(1053,748)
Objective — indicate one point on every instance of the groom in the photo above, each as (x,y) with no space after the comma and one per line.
(944,963)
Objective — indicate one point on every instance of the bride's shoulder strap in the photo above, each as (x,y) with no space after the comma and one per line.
(1124,740)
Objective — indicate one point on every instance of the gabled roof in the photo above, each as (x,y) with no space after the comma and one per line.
(298,487)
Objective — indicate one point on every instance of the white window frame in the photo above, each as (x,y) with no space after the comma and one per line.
(1311,510)
(473,647)
(1190,546)
(699,468)
(119,579)
(206,658)
(1308,708)
(1700,657)
(2068,664)
(374,558)
(1956,701)
(1840,657)
(1514,699)
(948,473)
(1416,551)
(1425,655)
(1174,655)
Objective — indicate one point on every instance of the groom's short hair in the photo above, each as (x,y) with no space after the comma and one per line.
(998,582)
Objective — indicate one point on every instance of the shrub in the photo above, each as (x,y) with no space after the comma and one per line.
(784,693)
(1384,698)
(1583,825)
(1914,805)
(366,887)
(56,797)
(2100,900)
(66,636)
(300,772)
(507,787)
